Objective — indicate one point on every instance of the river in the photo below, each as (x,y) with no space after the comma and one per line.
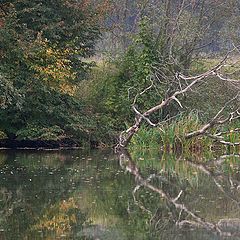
(76,194)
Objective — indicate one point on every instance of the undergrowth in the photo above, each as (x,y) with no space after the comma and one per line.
(170,137)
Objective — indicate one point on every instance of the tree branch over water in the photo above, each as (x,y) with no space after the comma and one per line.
(185,84)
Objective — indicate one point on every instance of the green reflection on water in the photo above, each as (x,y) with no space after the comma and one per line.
(87,195)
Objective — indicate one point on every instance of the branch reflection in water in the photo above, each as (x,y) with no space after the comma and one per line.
(181,214)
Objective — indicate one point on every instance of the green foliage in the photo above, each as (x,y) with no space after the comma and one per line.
(45,108)
(137,67)
(43,44)
(113,85)
(146,138)
(170,136)
(35,133)
(8,94)
(2,135)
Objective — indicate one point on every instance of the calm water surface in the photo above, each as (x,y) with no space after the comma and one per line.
(98,195)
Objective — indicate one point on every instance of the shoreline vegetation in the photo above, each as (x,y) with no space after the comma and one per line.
(72,76)
(38,144)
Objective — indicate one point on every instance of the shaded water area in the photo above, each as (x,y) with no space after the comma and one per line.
(99,195)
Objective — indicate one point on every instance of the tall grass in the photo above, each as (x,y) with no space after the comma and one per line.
(232,136)
(173,134)
(170,137)
(146,138)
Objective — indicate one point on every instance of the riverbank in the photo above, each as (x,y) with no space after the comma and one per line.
(39,144)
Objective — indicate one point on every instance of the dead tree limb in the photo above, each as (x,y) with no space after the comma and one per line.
(189,83)
(218,119)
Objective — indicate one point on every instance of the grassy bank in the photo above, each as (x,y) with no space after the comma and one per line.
(170,137)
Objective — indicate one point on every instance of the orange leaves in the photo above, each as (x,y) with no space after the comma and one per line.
(67,89)
(58,218)
(1,23)
(101,9)
(53,66)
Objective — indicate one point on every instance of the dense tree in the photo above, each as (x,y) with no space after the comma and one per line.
(43,46)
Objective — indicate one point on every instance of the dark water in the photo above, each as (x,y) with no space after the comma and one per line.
(93,195)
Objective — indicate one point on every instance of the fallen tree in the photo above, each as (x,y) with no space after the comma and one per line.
(183,85)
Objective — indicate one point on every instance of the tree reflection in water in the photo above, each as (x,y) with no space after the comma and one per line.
(181,214)
(77,195)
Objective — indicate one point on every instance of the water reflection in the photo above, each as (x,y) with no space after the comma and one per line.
(93,195)
(174,185)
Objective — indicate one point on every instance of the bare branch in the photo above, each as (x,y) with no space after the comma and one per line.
(190,82)
(216,120)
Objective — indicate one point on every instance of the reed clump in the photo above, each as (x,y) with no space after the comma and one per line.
(171,136)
